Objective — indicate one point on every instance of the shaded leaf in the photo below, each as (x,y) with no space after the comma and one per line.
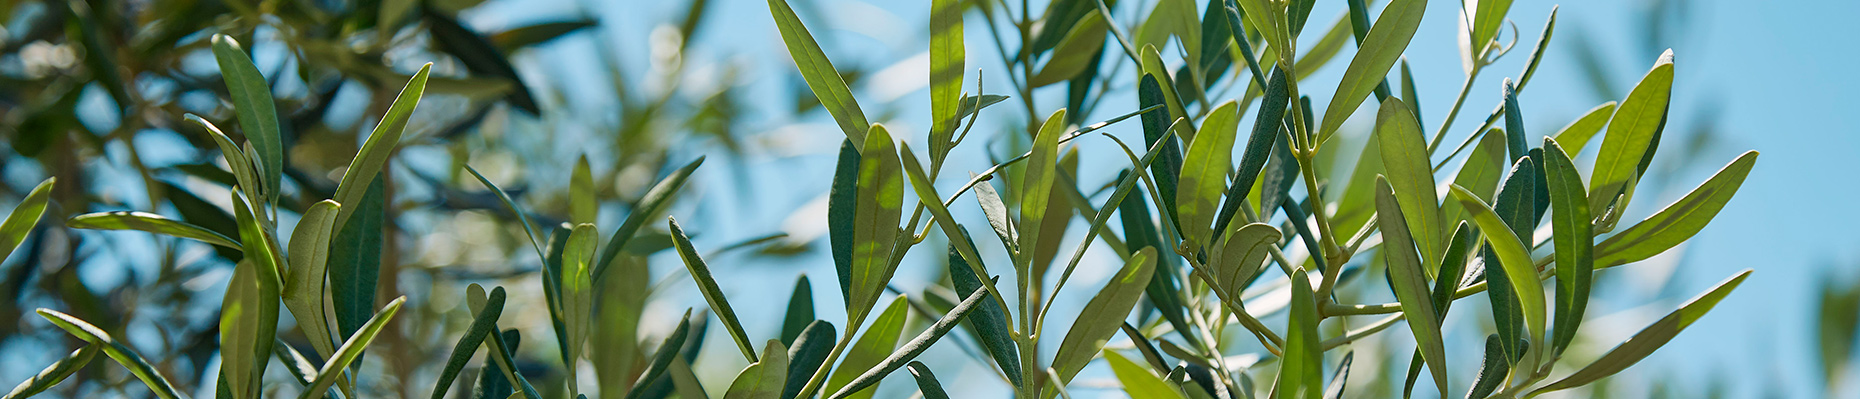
(712,294)
(926,381)
(147,222)
(53,374)
(116,350)
(806,355)
(762,379)
(1408,277)
(1574,242)
(477,54)
(352,349)
(800,311)
(1102,315)
(258,115)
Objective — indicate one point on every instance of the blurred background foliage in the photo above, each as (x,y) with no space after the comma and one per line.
(92,93)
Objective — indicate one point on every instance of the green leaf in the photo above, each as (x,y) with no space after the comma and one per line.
(712,294)
(477,55)
(842,212)
(1404,159)
(875,229)
(800,311)
(668,350)
(1102,315)
(1341,377)
(916,346)
(1266,127)
(1377,53)
(819,73)
(1241,255)
(1408,277)
(807,354)
(1036,186)
(355,260)
(1153,67)
(1575,244)
(524,36)
(1679,221)
(997,214)
(577,291)
(975,103)
(1648,339)
(877,342)
(20,221)
(1479,175)
(1577,134)
(1168,18)
(249,311)
(1075,52)
(258,115)
(1513,256)
(763,379)
(926,381)
(1204,174)
(1139,381)
(54,373)
(946,74)
(373,157)
(484,324)
(1485,17)
(309,260)
(649,207)
(352,349)
(1492,373)
(582,207)
(1164,291)
(1156,130)
(116,350)
(148,222)
(990,323)
(1301,371)
(242,167)
(1268,17)
(1631,133)
(1514,122)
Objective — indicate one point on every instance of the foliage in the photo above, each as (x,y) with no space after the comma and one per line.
(1264,254)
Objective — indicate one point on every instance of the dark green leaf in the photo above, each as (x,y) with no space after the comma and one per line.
(258,115)
(1258,150)
(649,207)
(352,349)
(712,294)
(800,311)
(1341,377)
(668,350)
(517,38)
(477,54)
(355,260)
(990,323)
(1301,371)
(1408,277)
(482,325)
(1492,374)
(926,381)
(916,346)
(806,355)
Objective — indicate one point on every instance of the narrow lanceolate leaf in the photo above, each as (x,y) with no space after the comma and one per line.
(1513,256)
(947,57)
(875,224)
(258,115)
(1514,122)
(926,381)
(1036,186)
(1576,135)
(647,209)
(873,346)
(373,156)
(1377,53)
(241,166)
(1492,372)
(1156,130)
(1241,255)
(1679,221)
(1632,131)
(762,379)
(1485,19)
(997,214)
(708,285)
(1340,377)
(582,207)
(1259,145)
(1204,173)
(19,222)
(1575,244)
(661,359)
(355,260)
(1405,160)
(116,350)
(1139,381)
(807,355)
(819,73)
(352,349)
(577,291)
(1648,339)
(1102,315)
(965,248)
(990,322)
(1408,277)
(309,261)
(916,346)
(477,54)
(1301,372)
(483,324)
(800,311)
(53,374)
(148,222)
(1153,67)
(1268,17)
(249,311)
(1075,52)
(1480,173)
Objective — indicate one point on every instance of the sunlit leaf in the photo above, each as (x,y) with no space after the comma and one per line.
(54,373)
(1377,53)
(1037,184)
(762,379)
(373,157)
(1512,255)
(1408,277)
(1301,371)
(1575,245)
(1577,133)
(712,294)
(1648,339)
(304,289)
(947,58)
(1075,52)
(1103,314)
(1139,381)
(872,347)
(1405,160)
(24,216)
(1631,133)
(148,222)
(819,73)
(875,230)
(1204,173)
(916,346)
(258,115)
(1679,221)
(116,350)
(352,349)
